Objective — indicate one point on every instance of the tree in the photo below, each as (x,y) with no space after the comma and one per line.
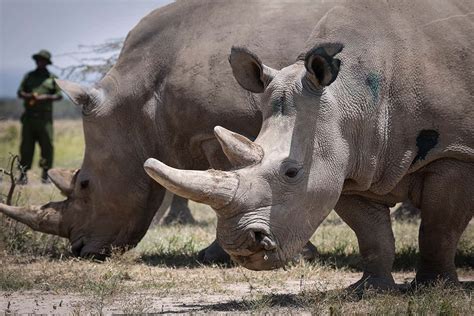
(92,61)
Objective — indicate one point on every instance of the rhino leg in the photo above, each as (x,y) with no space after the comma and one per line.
(217,160)
(213,254)
(179,212)
(446,209)
(371,223)
(309,252)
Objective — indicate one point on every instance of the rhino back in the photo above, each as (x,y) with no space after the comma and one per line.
(409,66)
(179,55)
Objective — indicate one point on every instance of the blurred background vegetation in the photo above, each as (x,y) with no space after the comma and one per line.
(11,109)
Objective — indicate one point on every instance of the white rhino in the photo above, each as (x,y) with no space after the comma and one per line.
(376,110)
(170,86)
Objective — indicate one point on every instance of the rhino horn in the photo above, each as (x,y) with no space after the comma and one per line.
(240,150)
(46,219)
(211,187)
(64,179)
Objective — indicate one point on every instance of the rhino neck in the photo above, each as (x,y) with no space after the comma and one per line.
(359,94)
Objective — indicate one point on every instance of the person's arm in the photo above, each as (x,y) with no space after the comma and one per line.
(21,90)
(49,97)
(25,95)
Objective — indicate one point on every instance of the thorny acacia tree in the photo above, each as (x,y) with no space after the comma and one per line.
(91,61)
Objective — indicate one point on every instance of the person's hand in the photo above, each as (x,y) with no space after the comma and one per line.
(32,99)
(26,95)
(42,97)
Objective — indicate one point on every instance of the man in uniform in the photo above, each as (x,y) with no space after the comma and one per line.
(38,90)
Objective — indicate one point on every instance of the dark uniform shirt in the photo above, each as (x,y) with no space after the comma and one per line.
(39,81)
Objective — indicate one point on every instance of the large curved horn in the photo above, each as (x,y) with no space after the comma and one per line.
(212,187)
(45,219)
(240,150)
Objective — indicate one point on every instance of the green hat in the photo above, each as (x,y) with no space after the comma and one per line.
(43,54)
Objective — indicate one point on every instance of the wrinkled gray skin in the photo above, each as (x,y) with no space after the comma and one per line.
(377,110)
(170,86)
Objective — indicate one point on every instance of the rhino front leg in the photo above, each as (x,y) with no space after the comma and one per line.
(213,254)
(371,223)
(217,160)
(447,206)
(179,212)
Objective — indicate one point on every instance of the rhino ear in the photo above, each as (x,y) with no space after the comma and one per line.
(249,71)
(321,66)
(64,179)
(85,97)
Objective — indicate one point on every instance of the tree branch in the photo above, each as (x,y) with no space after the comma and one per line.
(92,60)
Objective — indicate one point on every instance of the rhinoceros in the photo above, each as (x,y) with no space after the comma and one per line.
(377,109)
(170,86)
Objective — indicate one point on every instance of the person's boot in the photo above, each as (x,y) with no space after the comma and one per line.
(44,176)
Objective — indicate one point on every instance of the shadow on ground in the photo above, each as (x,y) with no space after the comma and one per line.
(178,260)
(405,260)
(245,305)
(270,300)
(297,301)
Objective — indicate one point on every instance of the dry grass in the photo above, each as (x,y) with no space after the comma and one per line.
(68,143)
(161,273)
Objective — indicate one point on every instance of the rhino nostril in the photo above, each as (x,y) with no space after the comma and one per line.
(268,244)
(258,236)
(265,241)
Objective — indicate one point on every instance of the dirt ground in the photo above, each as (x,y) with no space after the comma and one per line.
(234,301)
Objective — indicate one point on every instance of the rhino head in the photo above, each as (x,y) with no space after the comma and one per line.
(108,200)
(285,182)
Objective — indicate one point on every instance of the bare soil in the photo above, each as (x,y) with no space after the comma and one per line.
(238,298)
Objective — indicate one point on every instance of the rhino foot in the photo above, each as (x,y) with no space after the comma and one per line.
(213,254)
(426,279)
(372,283)
(309,252)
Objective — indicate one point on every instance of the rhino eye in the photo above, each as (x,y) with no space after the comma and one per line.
(291,172)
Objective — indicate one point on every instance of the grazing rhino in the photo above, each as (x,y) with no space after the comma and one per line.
(378,109)
(170,86)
